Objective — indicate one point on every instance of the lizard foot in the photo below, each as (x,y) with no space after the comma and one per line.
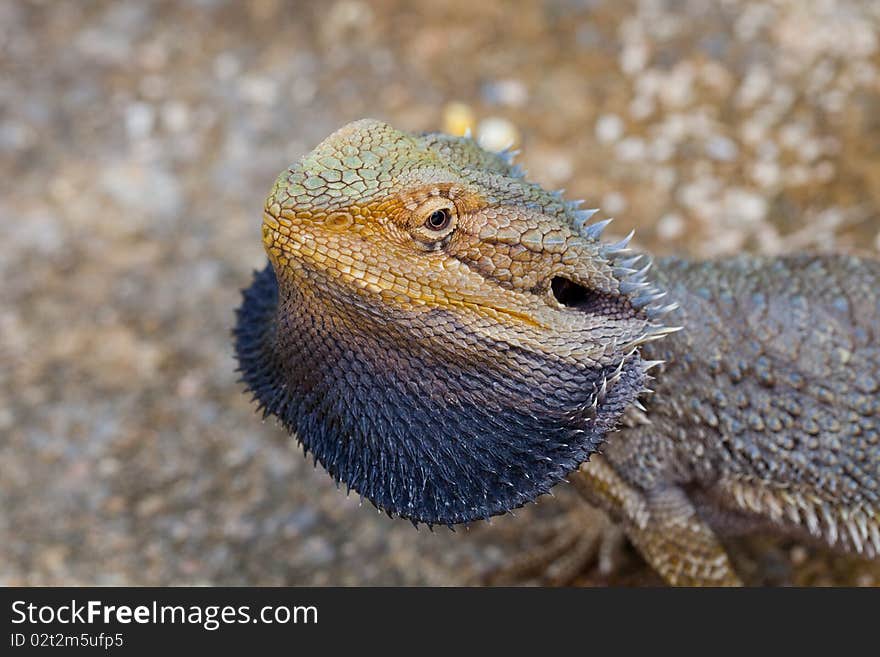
(566,548)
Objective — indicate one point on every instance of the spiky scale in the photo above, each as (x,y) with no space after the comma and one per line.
(631,263)
(660,311)
(619,247)
(629,286)
(581,217)
(594,231)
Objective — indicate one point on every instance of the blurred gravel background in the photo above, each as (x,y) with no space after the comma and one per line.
(138,139)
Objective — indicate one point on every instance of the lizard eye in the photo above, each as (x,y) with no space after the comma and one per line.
(439,219)
(434,223)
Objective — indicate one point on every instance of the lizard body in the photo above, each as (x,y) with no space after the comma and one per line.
(451,340)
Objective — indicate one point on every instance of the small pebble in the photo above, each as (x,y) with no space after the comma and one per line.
(722,148)
(458,119)
(631,149)
(662,149)
(641,108)
(175,116)
(139,120)
(496,134)
(634,57)
(747,206)
(824,172)
(554,164)
(609,128)
(226,66)
(614,203)
(510,92)
(798,555)
(670,227)
(259,90)
(765,174)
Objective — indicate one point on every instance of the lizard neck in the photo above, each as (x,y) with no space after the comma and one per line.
(421,415)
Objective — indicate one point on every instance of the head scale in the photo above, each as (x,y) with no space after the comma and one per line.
(446,338)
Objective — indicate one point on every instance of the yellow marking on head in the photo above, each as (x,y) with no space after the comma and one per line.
(381,248)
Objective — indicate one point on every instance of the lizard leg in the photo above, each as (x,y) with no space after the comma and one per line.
(662,524)
(679,544)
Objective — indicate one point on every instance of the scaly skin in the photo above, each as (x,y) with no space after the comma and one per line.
(450,341)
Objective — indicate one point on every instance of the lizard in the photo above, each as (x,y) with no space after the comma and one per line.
(451,340)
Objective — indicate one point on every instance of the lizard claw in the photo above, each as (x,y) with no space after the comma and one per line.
(583,545)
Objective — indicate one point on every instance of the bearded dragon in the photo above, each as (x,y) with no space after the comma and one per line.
(450,341)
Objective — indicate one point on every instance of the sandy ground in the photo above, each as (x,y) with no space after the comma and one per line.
(138,139)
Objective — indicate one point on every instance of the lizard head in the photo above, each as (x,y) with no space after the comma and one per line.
(445,337)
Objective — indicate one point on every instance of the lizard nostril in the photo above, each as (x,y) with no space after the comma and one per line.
(569,293)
